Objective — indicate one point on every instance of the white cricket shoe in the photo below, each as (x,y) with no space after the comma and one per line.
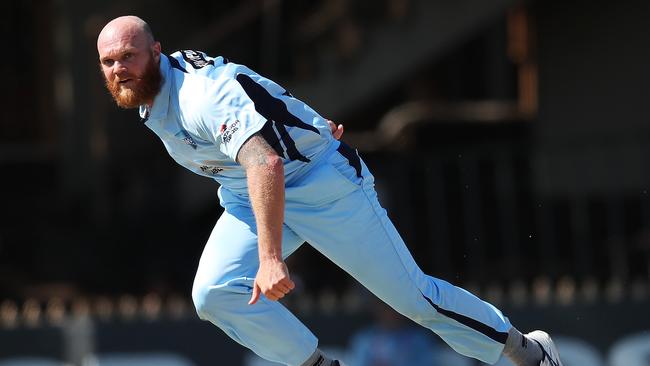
(550,355)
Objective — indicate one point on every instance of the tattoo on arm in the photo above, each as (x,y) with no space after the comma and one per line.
(254,151)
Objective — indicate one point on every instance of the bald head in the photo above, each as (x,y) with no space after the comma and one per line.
(126,27)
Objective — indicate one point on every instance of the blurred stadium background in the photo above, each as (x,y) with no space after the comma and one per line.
(510,141)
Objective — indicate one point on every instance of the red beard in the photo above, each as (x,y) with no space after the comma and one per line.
(144,88)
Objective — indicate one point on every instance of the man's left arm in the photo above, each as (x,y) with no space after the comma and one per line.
(337,130)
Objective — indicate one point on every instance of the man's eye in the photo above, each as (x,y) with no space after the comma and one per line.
(107,63)
(128,56)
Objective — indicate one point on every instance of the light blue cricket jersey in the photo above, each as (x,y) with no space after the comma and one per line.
(208,107)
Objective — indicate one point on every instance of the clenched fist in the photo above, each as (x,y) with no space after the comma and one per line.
(272,280)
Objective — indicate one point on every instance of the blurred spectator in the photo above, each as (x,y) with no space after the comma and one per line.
(633,350)
(392,341)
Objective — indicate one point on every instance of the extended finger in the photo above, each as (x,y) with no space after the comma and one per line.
(338,133)
(255,296)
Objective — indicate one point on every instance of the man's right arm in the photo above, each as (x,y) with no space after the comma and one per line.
(265,178)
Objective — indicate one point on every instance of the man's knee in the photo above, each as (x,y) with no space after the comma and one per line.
(206,301)
(214,302)
(199,299)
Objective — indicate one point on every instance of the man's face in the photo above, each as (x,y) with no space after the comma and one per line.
(130,65)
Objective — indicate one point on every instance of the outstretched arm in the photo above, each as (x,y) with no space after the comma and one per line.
(265,176)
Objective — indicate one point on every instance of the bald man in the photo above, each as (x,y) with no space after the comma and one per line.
(285,179)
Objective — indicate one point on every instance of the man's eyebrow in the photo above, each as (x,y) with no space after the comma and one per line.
(114,53)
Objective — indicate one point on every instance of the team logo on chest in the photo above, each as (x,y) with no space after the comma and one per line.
(190,141)
(187,139)
(228,131)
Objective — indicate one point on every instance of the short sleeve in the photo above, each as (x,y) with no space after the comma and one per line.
(229,117)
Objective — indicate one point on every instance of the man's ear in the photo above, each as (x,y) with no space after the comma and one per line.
(156,50)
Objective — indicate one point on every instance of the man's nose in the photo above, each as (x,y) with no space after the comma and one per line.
(119,68)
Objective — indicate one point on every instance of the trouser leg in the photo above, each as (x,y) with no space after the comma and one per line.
(223,286)
(356,234)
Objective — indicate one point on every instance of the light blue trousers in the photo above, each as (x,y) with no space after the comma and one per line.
(337,213)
